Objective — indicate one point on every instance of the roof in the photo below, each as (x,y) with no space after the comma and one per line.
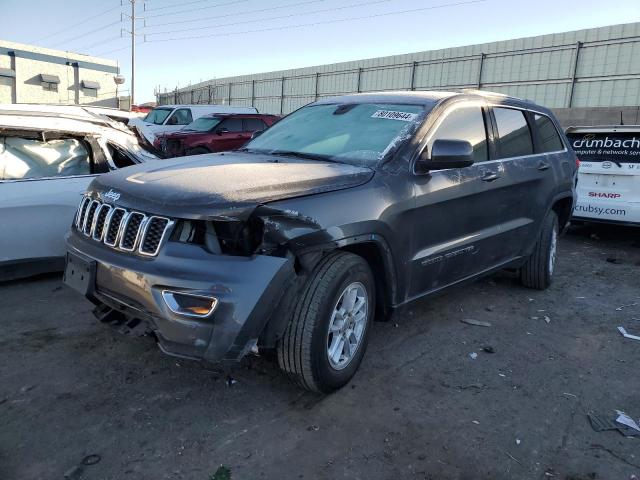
(229,114)
(427,97)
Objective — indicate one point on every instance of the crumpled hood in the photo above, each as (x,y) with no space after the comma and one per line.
(226,185)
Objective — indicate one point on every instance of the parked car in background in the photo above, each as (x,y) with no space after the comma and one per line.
(47,160)
(609,174)
(349,206)
(217,132)
(170,118)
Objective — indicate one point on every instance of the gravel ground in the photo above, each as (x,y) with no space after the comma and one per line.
(420,406)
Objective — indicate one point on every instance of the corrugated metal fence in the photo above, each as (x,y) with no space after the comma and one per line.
(586,68)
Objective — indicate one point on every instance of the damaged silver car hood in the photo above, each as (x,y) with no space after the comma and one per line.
(227,185)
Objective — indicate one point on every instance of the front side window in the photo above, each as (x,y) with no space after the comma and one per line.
(182,116)
(203,124)
(26,158)
(466,123)
(514,138)
(351,133)
(549,138)
(232,125)
(157,116)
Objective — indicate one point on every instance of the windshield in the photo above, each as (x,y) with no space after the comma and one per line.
(203,124)
(158,115)
(352,133)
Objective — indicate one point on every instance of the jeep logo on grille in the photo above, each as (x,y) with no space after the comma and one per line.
(111,195)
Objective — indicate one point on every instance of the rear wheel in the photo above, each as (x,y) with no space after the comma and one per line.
(327,335)
(538,271)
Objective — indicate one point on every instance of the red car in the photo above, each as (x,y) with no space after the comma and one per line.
(217,132)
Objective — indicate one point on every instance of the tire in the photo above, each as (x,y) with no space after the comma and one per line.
(304,349)
(198,151)
(538,271)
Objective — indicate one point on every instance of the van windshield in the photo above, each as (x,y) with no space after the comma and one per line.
(361,133)
(157,116)
(616,147)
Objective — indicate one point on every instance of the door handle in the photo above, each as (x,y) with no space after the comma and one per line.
(542,166)
(490,177)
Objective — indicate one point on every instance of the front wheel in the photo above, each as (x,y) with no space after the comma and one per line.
(327,335)
(538,271)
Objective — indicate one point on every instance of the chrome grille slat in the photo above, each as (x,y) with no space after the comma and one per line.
(88,218)
(122,229)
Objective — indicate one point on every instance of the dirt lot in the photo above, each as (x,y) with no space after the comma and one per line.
(420,406)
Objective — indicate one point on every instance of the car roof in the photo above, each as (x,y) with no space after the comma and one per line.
(430,98)
(229,114)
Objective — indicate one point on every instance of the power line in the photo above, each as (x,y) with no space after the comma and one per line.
(177,5)
(105,40)
(91,32)
(274,18)
(66,29)
(261,10)
(325,22)
(197,9)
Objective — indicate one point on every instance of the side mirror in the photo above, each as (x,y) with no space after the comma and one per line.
(257,133)
(220,131)
(446,154)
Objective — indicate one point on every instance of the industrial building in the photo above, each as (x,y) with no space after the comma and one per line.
(30,74)
(586,76)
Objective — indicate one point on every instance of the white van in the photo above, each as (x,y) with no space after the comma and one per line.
(170,118)
(609,175)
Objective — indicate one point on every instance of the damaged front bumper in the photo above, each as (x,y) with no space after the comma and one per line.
(245,289)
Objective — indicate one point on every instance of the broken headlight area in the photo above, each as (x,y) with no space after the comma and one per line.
(267,232)
(227,237)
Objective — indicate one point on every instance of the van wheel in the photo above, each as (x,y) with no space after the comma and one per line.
(538,271)
(198,151)
(327,335)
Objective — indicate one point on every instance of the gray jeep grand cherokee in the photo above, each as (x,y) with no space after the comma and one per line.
(347,208)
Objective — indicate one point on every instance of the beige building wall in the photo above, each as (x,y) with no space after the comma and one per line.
(27,64)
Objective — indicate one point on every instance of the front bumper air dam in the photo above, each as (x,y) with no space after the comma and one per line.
(247,290)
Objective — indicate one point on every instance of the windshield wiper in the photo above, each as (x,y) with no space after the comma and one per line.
(307,156)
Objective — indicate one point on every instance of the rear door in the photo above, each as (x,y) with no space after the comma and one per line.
(529,173)
(41,183)
(609,175)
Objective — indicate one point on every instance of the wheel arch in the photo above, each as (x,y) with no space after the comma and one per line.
(563,208)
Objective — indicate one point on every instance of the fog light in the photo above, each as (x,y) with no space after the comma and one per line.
(188,304)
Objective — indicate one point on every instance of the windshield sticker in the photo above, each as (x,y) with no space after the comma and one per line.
(393,115)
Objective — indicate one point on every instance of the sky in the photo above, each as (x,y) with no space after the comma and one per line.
(188,41)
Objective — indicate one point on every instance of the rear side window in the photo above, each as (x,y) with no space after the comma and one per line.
(549,138)
(231,124)
(25,158)
(466,123)
(253,124)
(514,138)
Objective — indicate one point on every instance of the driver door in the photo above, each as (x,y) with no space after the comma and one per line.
(457,228)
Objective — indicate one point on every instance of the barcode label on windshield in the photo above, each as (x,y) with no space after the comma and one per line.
(393,115)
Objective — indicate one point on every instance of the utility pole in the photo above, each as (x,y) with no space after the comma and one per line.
(133,52)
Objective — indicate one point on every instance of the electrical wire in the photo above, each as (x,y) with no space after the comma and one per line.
(261,10)
(164,7)
(66,29)
(91,32)
(235,2)
(325,22)
(208,27)
(86,47)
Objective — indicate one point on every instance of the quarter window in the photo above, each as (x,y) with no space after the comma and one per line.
(26,158)
(514,138)
(466,123)
(549,138)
